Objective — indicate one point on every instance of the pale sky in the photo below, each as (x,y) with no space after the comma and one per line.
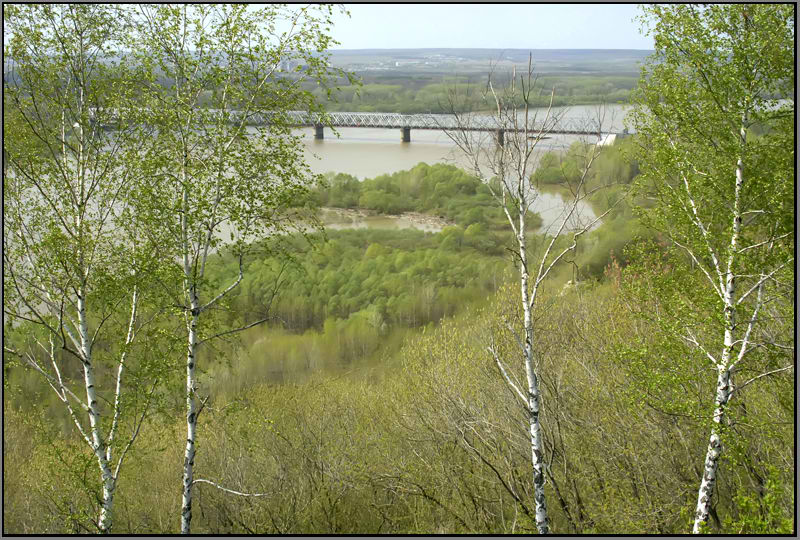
(490,26)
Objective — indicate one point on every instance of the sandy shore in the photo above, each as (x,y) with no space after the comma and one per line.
(339,215)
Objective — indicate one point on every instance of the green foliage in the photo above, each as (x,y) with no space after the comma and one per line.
(764,513)
(440,190)
(400,422)
(697,95)
(408,277)
(608,184)
(435,443)
(410,95)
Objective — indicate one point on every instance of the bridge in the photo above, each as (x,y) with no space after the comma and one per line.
(407,122)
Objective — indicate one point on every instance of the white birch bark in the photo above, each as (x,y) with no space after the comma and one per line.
(190,288)
(723,392)
(66,258)
(98,442)
(537,453)
(708,482)
(511,164)
(191,423)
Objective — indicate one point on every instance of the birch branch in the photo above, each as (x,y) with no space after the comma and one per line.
(703,230)
(235,330)
(688,250)
(572,246)
(231,491)
(773,372)
(502,369)
(765,242)
(693,340)
(226,291)
(118,390)
(63,394)
(135,433)
(761,281)
(750,324)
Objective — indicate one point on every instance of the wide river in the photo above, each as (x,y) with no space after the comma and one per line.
(370,152)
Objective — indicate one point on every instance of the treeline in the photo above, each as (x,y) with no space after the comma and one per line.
(416,96)
(348,417)
(348,301)
(402,278)
(446,191)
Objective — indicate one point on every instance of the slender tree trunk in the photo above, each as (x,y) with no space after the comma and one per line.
(723,394)
(714,450)
(191,423)
(533,390)
(191,380)
(98,442)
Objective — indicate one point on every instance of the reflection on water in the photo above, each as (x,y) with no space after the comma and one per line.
(552,208)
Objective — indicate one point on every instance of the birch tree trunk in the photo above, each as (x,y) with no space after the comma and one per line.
(230,180)
(505,166)
(706,491)
(98,440)
(190,288)
(722,199)
(191,422)
(723,394)
(537,453)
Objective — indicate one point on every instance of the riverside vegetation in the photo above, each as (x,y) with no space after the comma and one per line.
(366,401)
(369,406)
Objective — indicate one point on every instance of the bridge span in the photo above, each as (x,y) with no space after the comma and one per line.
(407,122)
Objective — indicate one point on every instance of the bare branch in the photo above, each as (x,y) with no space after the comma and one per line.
(236,330)
(760,282)
(510,383)
(231,491)
(773,372)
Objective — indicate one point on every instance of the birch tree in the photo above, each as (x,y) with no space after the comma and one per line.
(505,161)
(75,263)
(717,157)
(221,179)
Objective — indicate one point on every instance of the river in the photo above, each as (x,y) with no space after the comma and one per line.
(370,152)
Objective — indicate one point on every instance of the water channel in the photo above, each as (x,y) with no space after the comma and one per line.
(370,152)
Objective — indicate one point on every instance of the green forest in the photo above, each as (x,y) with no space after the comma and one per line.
(190,347)
(420,94)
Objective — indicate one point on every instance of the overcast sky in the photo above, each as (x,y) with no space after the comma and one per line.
(493,26)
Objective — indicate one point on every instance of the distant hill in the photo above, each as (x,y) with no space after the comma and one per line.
(589,61)
(518,55)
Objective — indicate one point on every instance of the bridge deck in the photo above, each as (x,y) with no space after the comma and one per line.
(567,126)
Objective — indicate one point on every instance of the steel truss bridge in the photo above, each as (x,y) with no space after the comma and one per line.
(407,122)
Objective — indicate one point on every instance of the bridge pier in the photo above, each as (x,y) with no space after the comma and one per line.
(406,131)
(319,131)
(500,137)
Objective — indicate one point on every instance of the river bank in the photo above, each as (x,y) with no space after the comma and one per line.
(359,218)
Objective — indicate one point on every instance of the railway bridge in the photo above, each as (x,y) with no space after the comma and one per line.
(406,122)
